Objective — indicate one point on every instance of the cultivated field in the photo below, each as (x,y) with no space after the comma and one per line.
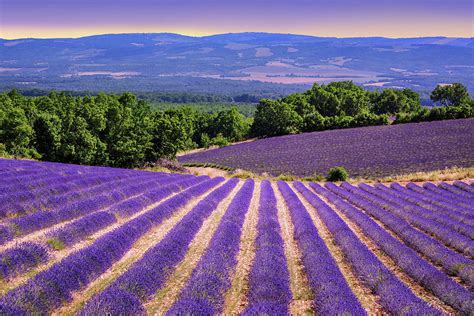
(95,241)
(367,151)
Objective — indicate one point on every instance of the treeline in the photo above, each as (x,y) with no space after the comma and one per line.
(344,105)
(112,130)
(170,97)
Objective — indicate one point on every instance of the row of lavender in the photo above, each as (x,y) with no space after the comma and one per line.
(269,289)
(430,240)
(105,196)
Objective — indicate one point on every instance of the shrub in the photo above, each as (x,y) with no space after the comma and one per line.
(337,174)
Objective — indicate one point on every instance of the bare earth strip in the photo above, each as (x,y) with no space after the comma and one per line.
(169,293)
(236,296)
(302,303)
(142,245)
(362,292)
(391,265)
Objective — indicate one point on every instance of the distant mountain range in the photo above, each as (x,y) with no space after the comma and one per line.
(231,63)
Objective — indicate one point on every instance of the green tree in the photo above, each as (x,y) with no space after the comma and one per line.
(231,124)
(275,118)
(450,95)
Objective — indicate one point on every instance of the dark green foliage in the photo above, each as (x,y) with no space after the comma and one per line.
(275,118)
(453,94)
(345,105)
(120,131)
(391,101)
(337,174)
(465,110)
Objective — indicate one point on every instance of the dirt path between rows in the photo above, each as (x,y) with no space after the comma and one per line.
(302,302)
(137,251)
(169,293)
(236,296)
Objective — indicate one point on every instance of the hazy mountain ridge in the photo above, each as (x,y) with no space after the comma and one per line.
(146,60)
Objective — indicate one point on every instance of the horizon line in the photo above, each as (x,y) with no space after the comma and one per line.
(230,33)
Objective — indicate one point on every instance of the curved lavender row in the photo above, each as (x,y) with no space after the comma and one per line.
(43,219)
(205,290)
(81,228)
(149,273)
(332,294)
(453,202)
(398,207)
(89,224)
(451,261)
(21,258)
(68,211)
(167,186)
(19,181)
(86,190)
(139,183)
(419,217)
(441,205)
(394,296)
(406,258)
(269,280)
(19,189)
(456,190)
(21,202)
(51,288)
(464,186)
(459,222)
(460,200)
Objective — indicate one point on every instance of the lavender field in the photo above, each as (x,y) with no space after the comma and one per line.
(102,241)
(368,151)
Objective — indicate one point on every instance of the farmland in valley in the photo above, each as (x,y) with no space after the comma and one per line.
(94,241)
(368,151)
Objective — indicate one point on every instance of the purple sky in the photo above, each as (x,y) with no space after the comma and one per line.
(342,18)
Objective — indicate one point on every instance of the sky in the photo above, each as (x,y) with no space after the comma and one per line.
(340,18)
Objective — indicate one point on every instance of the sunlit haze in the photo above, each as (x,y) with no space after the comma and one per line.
(402,18)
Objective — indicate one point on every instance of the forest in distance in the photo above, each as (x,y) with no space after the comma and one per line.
(126,131)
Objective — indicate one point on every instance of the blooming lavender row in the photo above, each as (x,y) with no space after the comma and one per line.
(332,295)
(205,290)
(149,273)
(53,287)
(460,200)
(460,222)
(135,184)
(399,207)
(43,219)
(405,257)
(89,224)
(456,190)
(394,296)
(21,258)
(36,201)
(269,285)
(447,209)
(452,262)
(78,230)
(424,219)
(23,201)
(173,184)
(464,186)
(454,203)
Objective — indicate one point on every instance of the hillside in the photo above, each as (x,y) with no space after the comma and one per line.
(256,63)
(367,151)
(91,240)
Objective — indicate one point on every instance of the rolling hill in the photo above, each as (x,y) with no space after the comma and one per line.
(243,62)
(366,151)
